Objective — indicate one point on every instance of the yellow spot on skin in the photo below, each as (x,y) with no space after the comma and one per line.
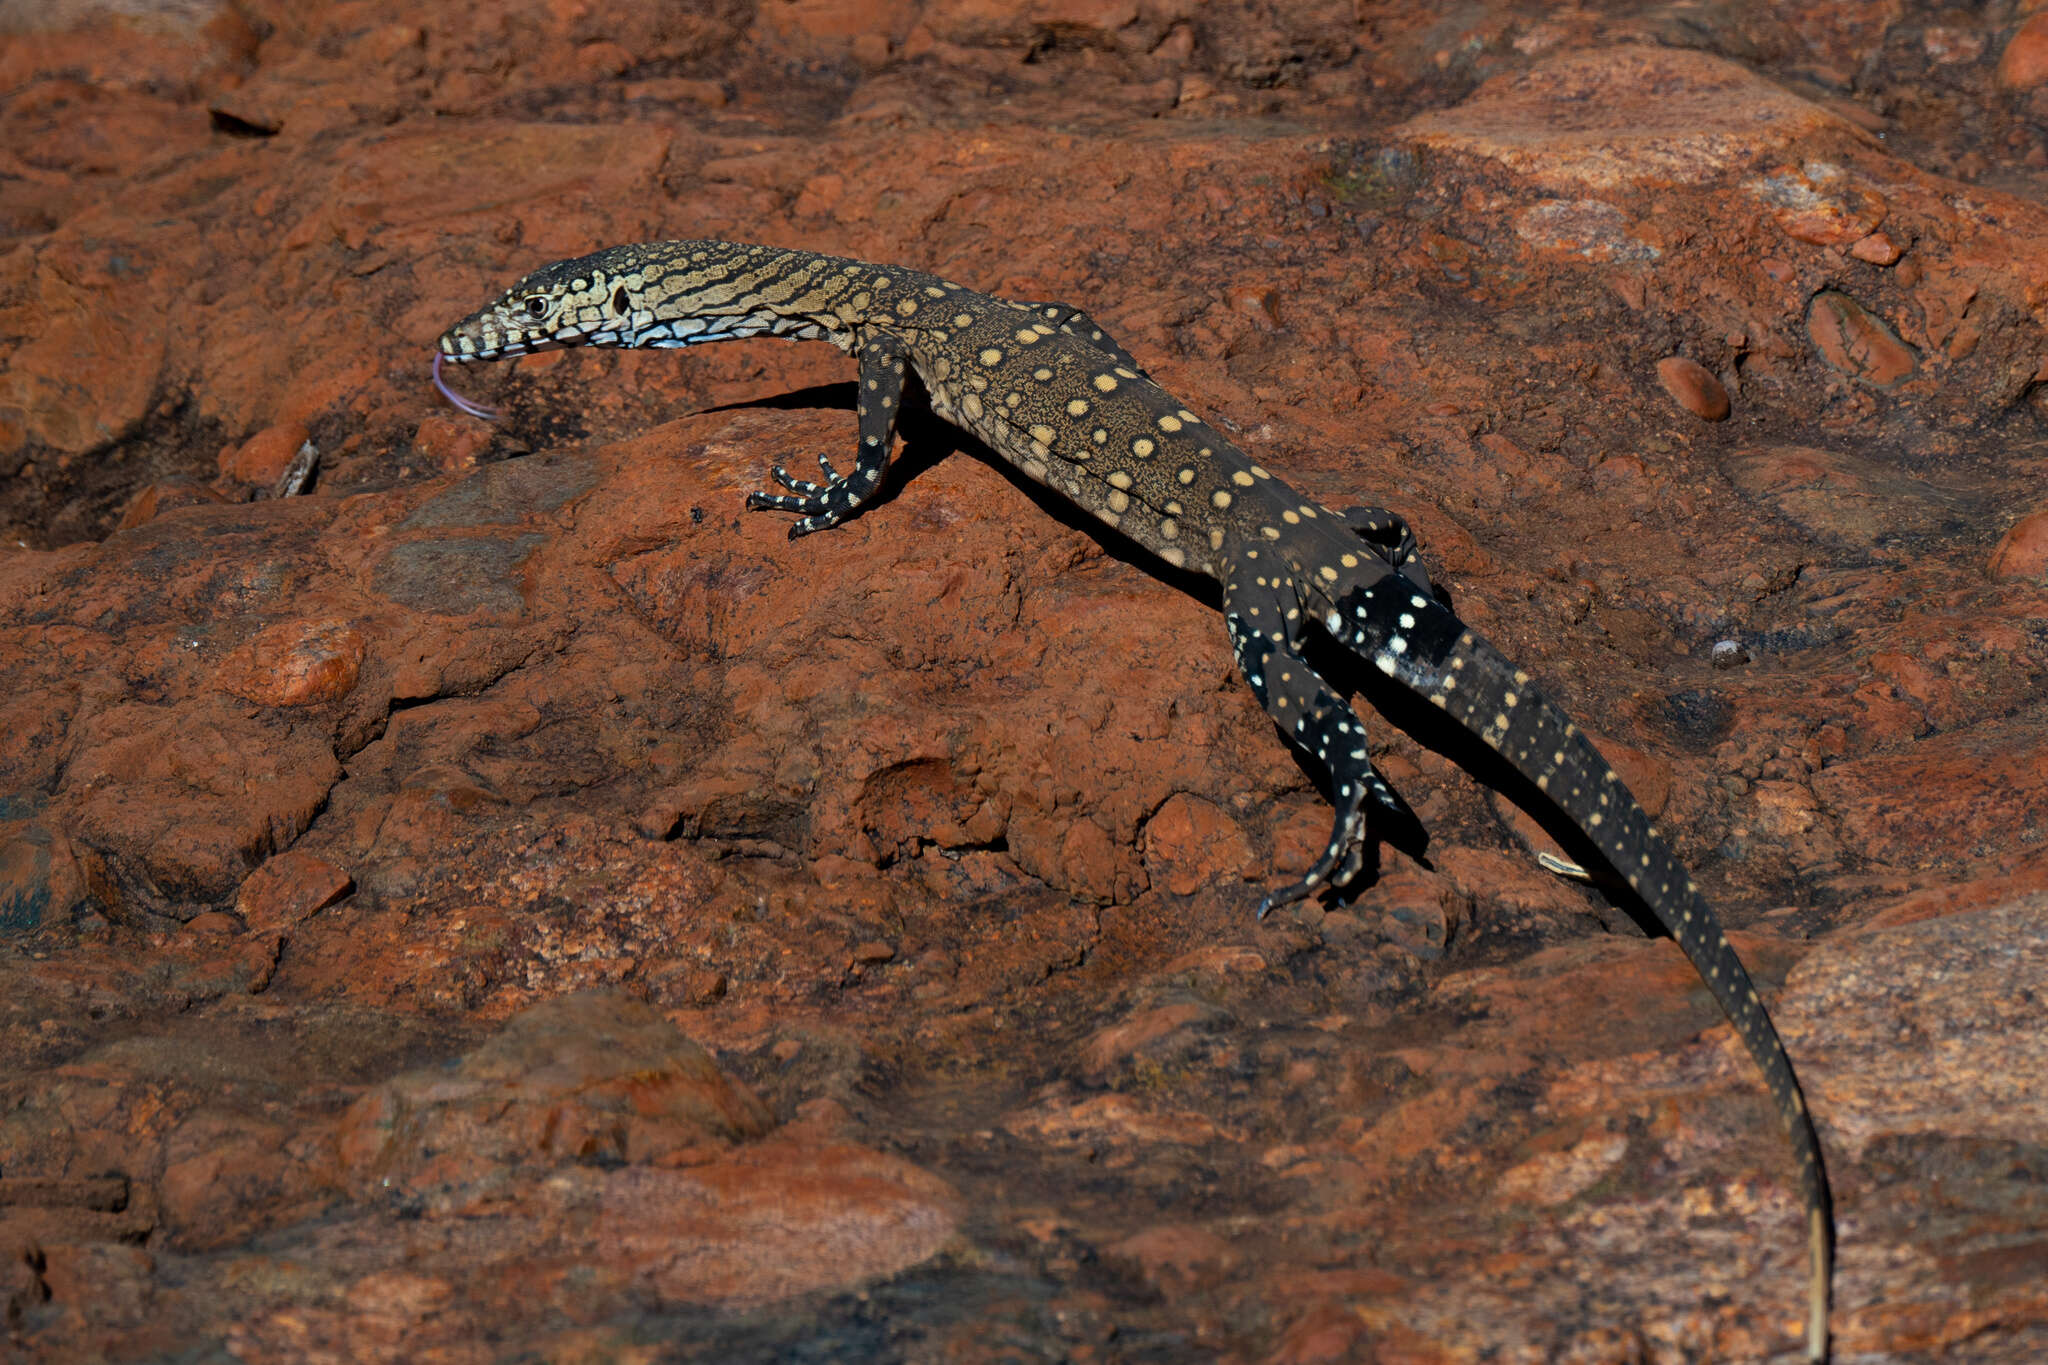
(1216,539)
(1042,329)
(1329,574)
(1270,532)
(1169,529)
(1186,476)
(1172,508)
(971,405)
(963,319)
(1169,424)
(1291,518)
(1100,436)
(1260,472)
(1220,498)
(1105,515)
(991,356)
(907,307)
(1105,382)
(1241,479)
(1026,335)
(1042,435)
(1041,374)
(1119,501)
(1142,447)
(1308,511)
(1187,416)
(1119,479)
(1172,555)
(1125,373)
(1348,561)
(1011,399)
(1077,408)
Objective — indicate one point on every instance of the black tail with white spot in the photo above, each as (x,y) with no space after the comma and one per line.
(1410,637)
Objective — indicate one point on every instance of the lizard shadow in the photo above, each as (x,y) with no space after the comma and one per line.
(928,439)
(1429,727)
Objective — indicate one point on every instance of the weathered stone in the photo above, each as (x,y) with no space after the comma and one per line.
(1856,343)
(1694,387)
(2022,552)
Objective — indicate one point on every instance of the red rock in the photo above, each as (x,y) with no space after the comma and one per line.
(451,444)
(1877,248)
(1175,1258)
(1608,118)
(1108,1048)
(1190,843)
(2024,62)
(2022,552)
(157,498)
(287,888)
(584,1077)
(1694,387)
(295,663)
(1260,303)
(1855,343)
(1821,204)
(261,460)
(1326,1334)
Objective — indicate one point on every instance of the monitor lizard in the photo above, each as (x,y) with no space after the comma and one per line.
(1044,387)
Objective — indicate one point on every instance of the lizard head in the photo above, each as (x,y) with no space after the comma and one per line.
(588,301)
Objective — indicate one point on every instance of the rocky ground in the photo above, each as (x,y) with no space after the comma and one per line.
(509,904)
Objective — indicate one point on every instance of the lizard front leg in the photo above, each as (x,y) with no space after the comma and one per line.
(1318,722)
(826,504)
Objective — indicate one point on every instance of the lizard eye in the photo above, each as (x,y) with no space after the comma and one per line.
(537,306)
(620,303)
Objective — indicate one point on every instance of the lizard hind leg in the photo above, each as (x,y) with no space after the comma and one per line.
(1071,321)
(1316,721)
(1392,540)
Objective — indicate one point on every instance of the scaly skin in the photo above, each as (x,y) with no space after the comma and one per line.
(1043,386)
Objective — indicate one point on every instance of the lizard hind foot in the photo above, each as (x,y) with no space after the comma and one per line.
(1340,862)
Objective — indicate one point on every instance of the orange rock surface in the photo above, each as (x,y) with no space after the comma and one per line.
(509,903)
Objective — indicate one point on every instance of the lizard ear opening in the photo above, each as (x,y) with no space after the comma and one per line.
(620,303)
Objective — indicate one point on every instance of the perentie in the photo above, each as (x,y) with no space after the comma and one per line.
(1043,387)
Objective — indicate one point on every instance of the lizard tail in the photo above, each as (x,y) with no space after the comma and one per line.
(1412,638)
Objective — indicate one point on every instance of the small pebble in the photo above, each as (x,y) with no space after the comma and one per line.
(1696,390)
(1877,248)
(2024,63)
(1856,343)
(2023,550)
(1729,654)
